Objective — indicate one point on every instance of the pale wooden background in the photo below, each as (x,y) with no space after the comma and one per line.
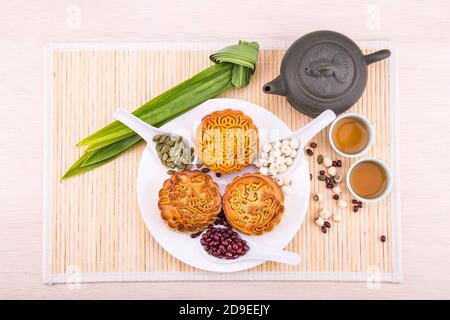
(420,29)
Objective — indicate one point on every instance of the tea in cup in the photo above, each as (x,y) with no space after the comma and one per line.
(351,135)
(369,180)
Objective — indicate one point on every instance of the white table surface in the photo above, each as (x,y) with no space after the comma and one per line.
(420,29)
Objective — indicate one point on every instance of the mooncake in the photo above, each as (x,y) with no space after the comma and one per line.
(189,201)
(253,203)
(226,141)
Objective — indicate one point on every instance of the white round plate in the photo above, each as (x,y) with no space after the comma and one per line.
(152,174)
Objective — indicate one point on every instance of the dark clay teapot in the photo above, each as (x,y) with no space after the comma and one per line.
(323,70)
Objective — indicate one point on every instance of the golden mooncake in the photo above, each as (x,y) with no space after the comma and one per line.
(226,141)
(189,201)
(253,203)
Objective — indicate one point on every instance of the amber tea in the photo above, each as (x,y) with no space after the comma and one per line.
(350,135)
(368,179)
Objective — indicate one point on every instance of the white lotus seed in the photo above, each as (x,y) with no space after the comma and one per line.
(324,213)
(294,143)
(289,161)
(280,160)
(319,221)
(337,190)
(277,153)
(293,154)
(342,204)
(286,151)
(280,182)
(327,162)
(285,143)
(267,147)
(264,171)
(273,168)
(262,162)
(282,168)
(332,171)
(276,144)
(337,217)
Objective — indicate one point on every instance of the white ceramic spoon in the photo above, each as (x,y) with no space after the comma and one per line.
(146,131)
(256,252)
(304,135)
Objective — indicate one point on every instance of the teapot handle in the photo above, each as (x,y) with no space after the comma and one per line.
(377,56)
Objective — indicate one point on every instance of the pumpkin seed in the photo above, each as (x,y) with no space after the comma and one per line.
(162,139)
(170,172)
(156,137)
(164,157)
(320,159)
(179,166)
(165,149)
(321,177)
(170,164)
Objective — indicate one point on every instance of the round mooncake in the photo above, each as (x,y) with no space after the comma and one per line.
(189,201)
(226,141)
(253,203)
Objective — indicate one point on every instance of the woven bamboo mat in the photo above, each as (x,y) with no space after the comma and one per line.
(93,230)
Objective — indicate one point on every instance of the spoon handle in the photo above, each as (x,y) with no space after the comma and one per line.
(274,255)
(142,128)
(306,133)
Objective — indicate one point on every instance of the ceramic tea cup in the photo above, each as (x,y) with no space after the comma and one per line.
(387,186)
(364,122)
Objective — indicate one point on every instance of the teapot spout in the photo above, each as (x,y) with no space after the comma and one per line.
(276,86)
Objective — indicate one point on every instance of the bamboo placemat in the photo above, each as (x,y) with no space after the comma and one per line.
(93,230)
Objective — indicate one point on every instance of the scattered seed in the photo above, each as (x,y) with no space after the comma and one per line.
(327,224)
(324,229)
(360,204)
(309,152)
(310,176)
(318,197)
(170,172)
(195,235)
(330,186)
(199,165)
(335,197)
(333,163)
(205,170)
(327,162)
(218,174)
(354,201)
(313,145)
(383,238)
(355,208)
(322,172)
(319,221)
(322,178)
(320,159)
(339,163)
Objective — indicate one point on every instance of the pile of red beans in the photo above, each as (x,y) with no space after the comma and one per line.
(223,243)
